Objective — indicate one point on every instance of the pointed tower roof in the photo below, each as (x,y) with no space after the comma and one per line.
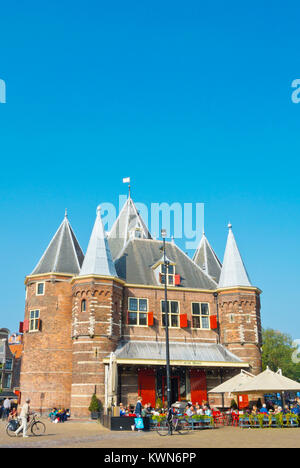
(63,254)
(98,260)
(207,260)
(233,270)
(129,224)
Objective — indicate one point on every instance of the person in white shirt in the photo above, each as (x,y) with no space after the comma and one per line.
(25,412)
(7,407)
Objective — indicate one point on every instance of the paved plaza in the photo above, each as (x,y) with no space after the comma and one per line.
(93,435)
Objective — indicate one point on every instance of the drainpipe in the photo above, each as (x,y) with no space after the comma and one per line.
(218,322)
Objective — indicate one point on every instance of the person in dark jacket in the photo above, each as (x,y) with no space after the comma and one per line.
(138,408)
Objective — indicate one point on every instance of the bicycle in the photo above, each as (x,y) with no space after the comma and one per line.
(37,427)
(173,423)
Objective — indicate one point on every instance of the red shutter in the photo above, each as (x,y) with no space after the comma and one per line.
(213,322)
(25,326)
(160,276)
(183,321)
(198,386)
(21,327)
(177,280)
(150,319)
(39,325)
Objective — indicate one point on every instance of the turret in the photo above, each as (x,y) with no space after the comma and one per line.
(96,320)
(46,371)
(239,308)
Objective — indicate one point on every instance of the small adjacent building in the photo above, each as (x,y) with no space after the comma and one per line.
(7,365)
(95,323)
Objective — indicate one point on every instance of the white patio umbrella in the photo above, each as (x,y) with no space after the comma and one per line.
(233,385)
(112,380)
(269,382)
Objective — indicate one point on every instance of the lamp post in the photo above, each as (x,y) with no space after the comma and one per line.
(166,264)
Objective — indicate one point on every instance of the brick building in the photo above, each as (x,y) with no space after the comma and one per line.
(95,323)
(9,366)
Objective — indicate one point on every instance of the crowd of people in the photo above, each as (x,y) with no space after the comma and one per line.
(270,408)
(147,410)
(59,415)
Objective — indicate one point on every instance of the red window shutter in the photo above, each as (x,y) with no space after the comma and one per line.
(21,327)
(160,276)
(25,326)
(213,322)
(177,280)
(39,325)
(183,321)
(150,319)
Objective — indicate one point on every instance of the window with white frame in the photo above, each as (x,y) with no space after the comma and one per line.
(200,315)
(7,381)
(170,274)
(137,311)
(40,289)
(173,313)
(8,364)
(34,317)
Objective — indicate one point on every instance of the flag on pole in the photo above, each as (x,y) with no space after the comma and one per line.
(126,180)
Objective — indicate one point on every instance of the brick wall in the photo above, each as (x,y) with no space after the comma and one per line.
(46,370)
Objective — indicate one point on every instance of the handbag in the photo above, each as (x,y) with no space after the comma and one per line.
(139,423)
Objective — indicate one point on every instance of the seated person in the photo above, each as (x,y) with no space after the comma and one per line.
(254,410)
(199,410)
(189,411)
(295,409)
(53,414)
(207,411)
(122,410)
(13,414)
(263,409)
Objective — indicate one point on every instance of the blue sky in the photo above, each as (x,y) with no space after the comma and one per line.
(192,100)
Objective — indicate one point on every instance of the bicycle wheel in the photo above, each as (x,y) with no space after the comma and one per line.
(11,428)
(163,428)
(38,428)
(183,426)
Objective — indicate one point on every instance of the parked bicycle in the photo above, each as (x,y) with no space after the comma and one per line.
(37,427)
(173,423)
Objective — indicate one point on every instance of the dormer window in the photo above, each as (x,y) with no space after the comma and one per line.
(170,274)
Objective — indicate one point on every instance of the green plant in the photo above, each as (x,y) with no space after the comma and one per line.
(95,405)
(159,403)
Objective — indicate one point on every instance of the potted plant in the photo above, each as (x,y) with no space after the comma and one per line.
(95,407)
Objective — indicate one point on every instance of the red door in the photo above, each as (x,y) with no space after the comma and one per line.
(146,383)
(198,386)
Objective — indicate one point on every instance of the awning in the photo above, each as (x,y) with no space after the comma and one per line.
(181,354)
(234,384)
(269,382)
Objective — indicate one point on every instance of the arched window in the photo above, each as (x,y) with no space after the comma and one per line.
(83,305)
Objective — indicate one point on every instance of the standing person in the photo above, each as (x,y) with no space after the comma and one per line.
(138,413)
(25,412)
(7,408)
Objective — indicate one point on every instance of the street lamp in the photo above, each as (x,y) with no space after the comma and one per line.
(166,265)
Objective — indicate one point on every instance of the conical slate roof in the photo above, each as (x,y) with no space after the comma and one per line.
(98,260)
(233,271)
(63,254)
(207,260)
(129,224)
